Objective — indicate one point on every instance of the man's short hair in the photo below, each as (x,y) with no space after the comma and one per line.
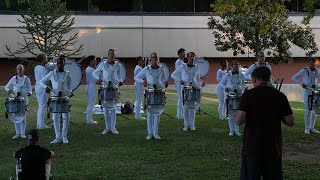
(90,58)
(263,73)
(32,137)
(313,59)
(181,50)
(41,57)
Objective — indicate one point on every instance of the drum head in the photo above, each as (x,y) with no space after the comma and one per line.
(166,71)
(123,69)
(203,65)
(74,69)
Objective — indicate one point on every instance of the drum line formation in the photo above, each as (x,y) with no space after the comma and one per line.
(61,76)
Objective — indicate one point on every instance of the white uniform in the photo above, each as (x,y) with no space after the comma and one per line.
(91,93)
(22,85)
(177,85)
(60,82)
(310,78)
(110,72)
(220,93)
(42,97)
(138,91)
(190,76)
(233,81)
(153,76)
(247,74)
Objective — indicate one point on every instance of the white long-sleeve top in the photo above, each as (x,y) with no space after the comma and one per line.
(110,72)
(247,74)
(153,76)
(60,81)
(136,71)
(39,73)
(233,81)
(220,74)
(19,84)
(90,80)
(309,77)
(189,75)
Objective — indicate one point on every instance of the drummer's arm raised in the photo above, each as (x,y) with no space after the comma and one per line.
(249,71)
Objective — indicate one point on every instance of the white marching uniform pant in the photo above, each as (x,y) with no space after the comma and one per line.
(91,97)
(42,98)
(189,114)
(178,87)
(19,120)
(65,124)
(110,116)
(221,100)
(138,92)
(233,127)
(309,116)
(153,121)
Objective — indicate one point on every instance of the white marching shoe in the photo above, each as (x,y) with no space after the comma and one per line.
(179,116)
(23,136)
(313,130)
(16,136)
(237,133)
(231,133)
(149,137)
(193,128)
(156,136)
(106,131)
(56,141)
(65,140)
(92,122)
(307,131)
(185,128)
(140,118)
(114,131)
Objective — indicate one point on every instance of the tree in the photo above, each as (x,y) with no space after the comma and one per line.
(259,25)
(46,24)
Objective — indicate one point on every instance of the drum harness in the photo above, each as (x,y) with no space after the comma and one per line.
(312,76)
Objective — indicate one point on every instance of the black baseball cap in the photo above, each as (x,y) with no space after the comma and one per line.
(32,137)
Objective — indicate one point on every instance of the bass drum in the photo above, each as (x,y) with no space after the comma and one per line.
(166,71)
(123,69)
(74,69)
(203,65)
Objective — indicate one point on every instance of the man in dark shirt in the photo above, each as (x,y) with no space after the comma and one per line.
(35,161)
(263,108)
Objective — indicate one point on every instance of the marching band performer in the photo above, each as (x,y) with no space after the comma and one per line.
(188,74)
(309,77)
(40,71)
(155,77)
(60,80)
(138,89)
(220,91)
(260,62)
(21,86)
(111,75)
(177,85)
(90,89)
(233,83)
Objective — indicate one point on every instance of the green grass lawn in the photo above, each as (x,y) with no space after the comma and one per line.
(208,153)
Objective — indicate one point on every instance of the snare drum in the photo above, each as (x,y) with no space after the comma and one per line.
(192,93)
(109,92)
(59,104)
(155,100)
(315,101)
(233,101)
(15,104)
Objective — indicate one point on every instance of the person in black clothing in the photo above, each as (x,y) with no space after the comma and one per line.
(35,161)
(263,108)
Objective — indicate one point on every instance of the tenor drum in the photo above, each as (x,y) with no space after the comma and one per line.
(233,101)
(15,104)
(109,92)
(191,93)
(59,104)
(155,100)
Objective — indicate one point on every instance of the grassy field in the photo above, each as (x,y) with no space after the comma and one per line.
(208,153)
